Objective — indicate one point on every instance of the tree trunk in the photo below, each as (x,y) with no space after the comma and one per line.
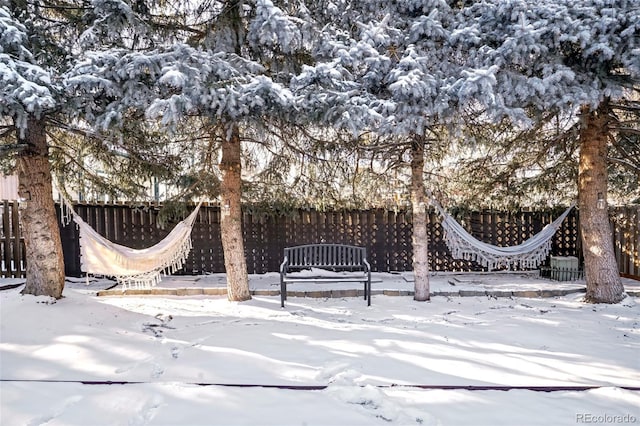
(420,238)
(45,261)
(601,269)
(231,216)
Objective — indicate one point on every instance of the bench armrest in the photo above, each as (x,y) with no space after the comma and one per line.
(283,266)
(367,267)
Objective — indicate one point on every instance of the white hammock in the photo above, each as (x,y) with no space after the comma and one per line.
(529,254)
(134,268)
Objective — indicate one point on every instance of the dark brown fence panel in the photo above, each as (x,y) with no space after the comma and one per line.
(12,250)
(206,255)
(70,237)
(376,248)
(625,223)
(399,246)
(254,230)
(567,240)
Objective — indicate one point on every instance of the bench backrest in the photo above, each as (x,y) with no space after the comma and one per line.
(338,256)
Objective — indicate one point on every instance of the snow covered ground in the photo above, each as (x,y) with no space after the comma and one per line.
(188,360)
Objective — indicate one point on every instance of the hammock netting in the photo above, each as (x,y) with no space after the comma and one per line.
(527,255)
(135,268)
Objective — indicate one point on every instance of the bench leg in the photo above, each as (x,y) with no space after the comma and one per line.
(369,292)
(283,292)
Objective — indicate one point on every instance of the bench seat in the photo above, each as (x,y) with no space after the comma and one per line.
(331,261)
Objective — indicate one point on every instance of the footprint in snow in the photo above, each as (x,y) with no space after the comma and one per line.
(148,412)
(175,352)
(157,371)
(68,402)
(379,404)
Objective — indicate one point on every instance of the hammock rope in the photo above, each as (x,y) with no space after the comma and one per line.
(526,255)
(134,268)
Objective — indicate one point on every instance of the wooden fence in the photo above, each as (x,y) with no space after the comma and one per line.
(625,223)
(12,252)
(386,235)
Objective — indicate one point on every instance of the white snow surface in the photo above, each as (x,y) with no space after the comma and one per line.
(180,360)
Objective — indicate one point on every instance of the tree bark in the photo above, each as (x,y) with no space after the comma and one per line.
(45,261)
(231,216)
(420,239)
(601,270)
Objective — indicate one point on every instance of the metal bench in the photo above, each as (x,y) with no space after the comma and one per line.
(330,257)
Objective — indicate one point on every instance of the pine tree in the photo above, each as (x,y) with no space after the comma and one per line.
(28,94)
(572,57)
(227,66)
(39,42)
(395,69)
